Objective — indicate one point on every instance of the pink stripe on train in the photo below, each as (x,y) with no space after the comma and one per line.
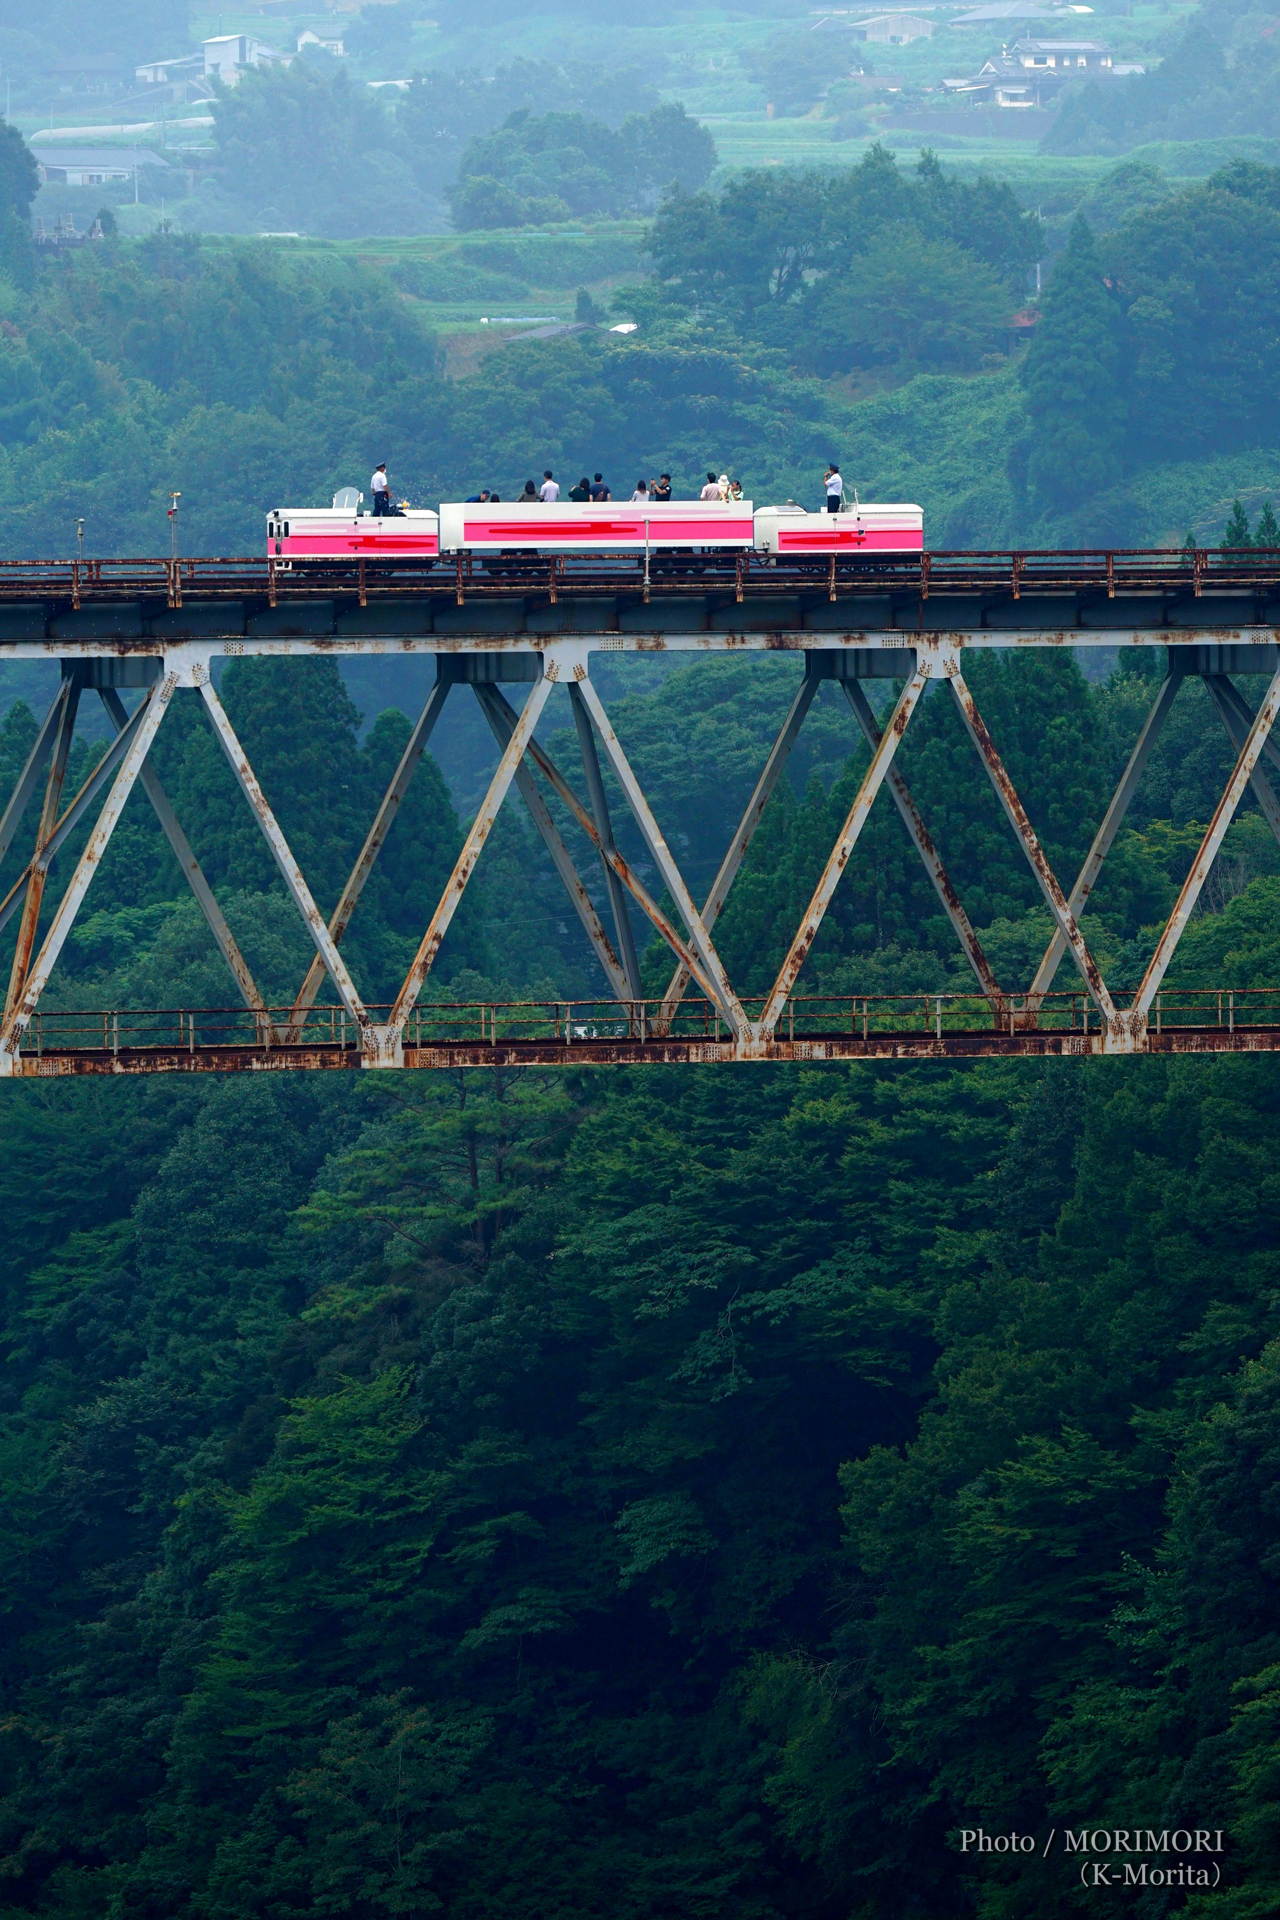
(552,531)
(342,546)
(849,540)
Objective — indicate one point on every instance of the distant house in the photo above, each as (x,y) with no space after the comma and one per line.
(891,29)
(1031,73)
(93,166)
(225,56)
(168,73)
(228,55)
(326,42)
(1002,83)
(1061,56)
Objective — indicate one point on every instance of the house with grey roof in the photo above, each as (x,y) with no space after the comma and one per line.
(94,166)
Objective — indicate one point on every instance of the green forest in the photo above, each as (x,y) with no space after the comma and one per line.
(643,1493)
(782,319)
(699,1493)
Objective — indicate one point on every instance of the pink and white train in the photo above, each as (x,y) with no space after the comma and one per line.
(343,533)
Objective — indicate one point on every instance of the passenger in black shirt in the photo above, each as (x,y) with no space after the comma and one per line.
(599,488)
(660,489)
(582,491)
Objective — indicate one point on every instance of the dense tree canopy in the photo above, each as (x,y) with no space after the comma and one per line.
(1154,342)
(311,151)
(555,166)
(796,70)
(640,1493)
(1074,377)
(444,108)
(1219,77)
(254,373)
(18,176)
(858,268)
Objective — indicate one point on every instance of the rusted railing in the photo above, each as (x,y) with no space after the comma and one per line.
(1109,572)
(590,1026)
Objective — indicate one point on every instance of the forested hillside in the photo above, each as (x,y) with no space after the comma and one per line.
(785,318)
(656,1493)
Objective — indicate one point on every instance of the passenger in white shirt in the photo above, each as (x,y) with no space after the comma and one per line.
(380,488)
(712,489)
(641,493)
(835,488)
(549,491)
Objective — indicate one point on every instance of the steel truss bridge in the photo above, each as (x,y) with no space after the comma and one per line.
(160,628)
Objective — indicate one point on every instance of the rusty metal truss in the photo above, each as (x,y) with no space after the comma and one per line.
(700,1015)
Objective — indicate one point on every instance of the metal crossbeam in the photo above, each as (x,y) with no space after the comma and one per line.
(415,747)
(663,860)
(837,859)
(922,841)
(36,761)
(1224,813)
(417,1031)
(744,834)
(1016,814)
(35,979)
(604,827)
(502,723)
(192,871)
(659,921)
(68,820)
(1104,839)
(464,866)
(1236,718)
(38,867)
(290,872)
(447,1036)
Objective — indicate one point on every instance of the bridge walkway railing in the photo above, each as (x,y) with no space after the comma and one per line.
(590,1025)
(1012,573)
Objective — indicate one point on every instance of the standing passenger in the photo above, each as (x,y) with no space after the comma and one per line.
(712,489)
(661,487)
(530,493)
(835,488)
(600,488)
(380,488)
(641,494)
(549,491)
(582,491)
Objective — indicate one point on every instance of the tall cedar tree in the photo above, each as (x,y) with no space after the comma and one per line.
(1236,532)
(1073,376)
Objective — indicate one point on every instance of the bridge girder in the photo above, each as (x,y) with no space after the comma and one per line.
(1000,1016)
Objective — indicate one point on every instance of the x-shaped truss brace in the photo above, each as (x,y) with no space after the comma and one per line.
(685,929)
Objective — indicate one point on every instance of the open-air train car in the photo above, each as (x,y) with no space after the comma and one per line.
(299,535)
(790,532)
(342,533)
